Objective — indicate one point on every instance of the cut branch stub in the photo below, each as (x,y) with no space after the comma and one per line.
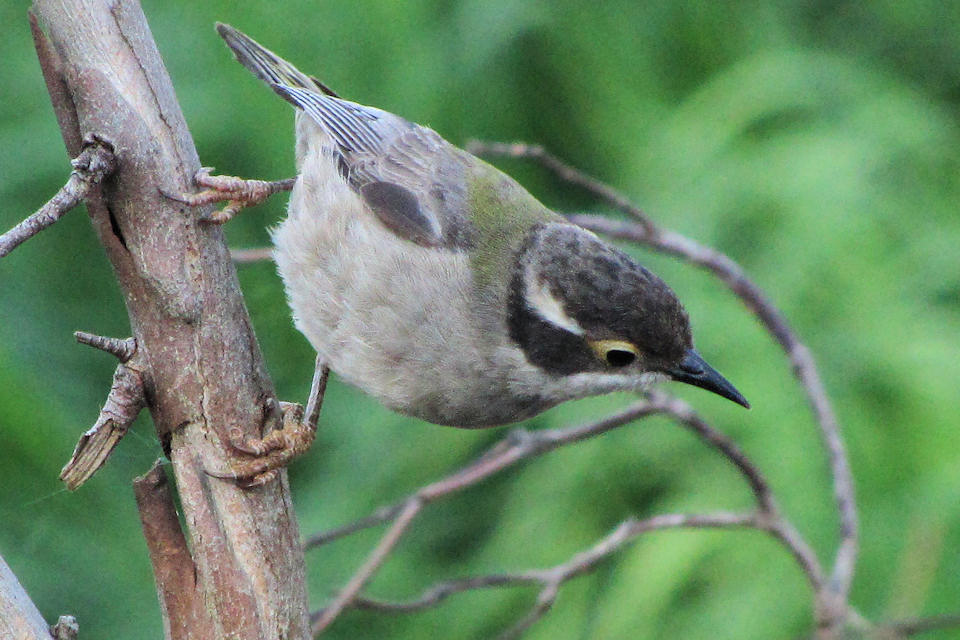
(65,629)
(124,403)
(123,349)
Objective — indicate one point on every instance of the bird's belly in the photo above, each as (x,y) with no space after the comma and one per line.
(389,316)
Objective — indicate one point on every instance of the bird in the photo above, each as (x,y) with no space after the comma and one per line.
(440,286)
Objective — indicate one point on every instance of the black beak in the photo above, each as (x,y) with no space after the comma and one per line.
(695,370)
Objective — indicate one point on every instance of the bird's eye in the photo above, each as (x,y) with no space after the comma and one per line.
(616,353)
(620,358)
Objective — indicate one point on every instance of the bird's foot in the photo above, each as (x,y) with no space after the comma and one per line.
(273,451)
(238,193)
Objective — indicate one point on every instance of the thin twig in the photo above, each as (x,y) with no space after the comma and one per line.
(644,231)
(122,348)
(95,162)
(318,389)
(622,535)
(551,579)
(562,170)
(770,519)
(684,413)
(247,256)
(517,446)
(362,576)
(916,626)
(521,445)
(800,357)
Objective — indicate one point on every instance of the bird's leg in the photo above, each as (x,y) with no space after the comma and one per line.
(238,193)
(279,447)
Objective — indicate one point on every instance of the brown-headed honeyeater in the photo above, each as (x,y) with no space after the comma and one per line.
(441,287)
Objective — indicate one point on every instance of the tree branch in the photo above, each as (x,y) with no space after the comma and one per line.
(126,399)
(916,626)
(645,231)
(19,617)
(519,445)
(203,372)
(522,445)
(246,256)
(66,628)
(94,163)
(173,568)
(551,579)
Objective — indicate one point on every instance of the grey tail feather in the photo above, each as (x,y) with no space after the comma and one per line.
(265,64)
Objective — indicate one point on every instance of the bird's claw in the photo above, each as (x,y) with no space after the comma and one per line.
(238,193)
(272,452)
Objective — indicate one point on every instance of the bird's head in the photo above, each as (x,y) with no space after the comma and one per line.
(582,310)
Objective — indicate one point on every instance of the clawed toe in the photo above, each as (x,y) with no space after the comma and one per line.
(238,193)
(272,452)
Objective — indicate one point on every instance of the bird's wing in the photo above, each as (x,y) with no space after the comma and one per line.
(411,179)
(265,64)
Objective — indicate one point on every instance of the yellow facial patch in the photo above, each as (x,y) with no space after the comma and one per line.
(616,353)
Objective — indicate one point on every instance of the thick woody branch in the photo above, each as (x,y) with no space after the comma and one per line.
(126,399)
(205,374)
(646,232)
(93,164)
(19,617)
(173,568)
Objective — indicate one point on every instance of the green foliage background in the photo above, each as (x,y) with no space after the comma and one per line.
(815,142)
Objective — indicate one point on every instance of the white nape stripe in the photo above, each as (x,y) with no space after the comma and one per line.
(545,304)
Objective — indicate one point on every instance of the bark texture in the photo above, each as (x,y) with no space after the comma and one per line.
(203,371)
(19,617)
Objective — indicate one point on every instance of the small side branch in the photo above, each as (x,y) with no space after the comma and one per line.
(522,445)
(644,231)
(519,445)
(916,626)
(246,256)
(551,579)
(123,405)
(66,628)
(94,163)
(122,349)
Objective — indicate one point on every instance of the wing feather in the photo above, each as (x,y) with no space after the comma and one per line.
(378,148)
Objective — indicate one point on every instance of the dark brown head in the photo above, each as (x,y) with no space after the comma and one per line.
(578,305)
